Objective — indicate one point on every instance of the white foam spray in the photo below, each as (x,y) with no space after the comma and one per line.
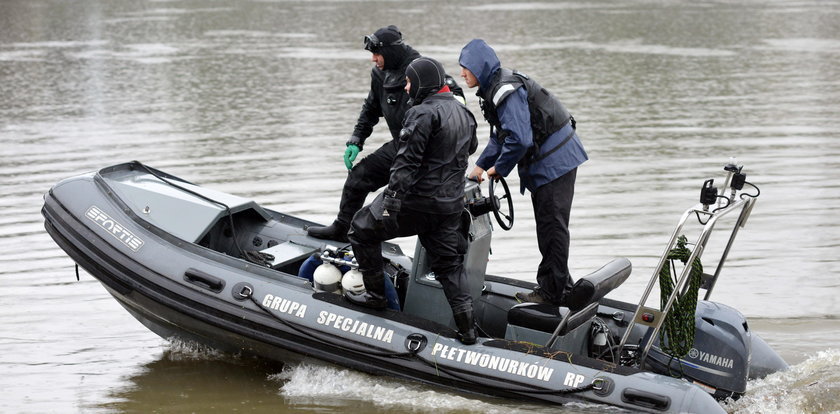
(330,385)
(809,387)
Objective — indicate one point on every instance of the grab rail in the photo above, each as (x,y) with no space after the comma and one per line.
(654,318)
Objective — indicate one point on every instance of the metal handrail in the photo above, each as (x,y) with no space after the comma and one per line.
(745,205)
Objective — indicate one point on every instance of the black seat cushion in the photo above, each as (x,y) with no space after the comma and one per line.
(595,285)
(587,291)
(538,316)
(545,317)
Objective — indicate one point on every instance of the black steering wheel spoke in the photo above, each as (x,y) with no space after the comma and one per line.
(505,220)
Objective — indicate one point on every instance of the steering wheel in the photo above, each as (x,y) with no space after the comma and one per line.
(507,222)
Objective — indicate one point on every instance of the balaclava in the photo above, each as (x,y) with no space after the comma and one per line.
(427,78)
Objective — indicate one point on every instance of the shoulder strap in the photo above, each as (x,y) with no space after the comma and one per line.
(502,92)
(505,86)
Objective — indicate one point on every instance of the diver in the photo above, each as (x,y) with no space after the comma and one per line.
(531,129)
(386,99)
(425,195)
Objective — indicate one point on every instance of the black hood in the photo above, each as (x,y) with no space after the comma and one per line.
(426,76)
(397,56)
(388,42)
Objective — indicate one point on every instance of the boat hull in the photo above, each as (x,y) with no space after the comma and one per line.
(179,289)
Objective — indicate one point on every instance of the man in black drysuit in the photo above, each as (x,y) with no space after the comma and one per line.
(387,98)
(425,195)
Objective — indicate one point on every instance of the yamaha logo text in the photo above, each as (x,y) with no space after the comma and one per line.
(708,358)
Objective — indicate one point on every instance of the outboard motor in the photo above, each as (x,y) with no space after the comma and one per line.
(723,353)
(720,358)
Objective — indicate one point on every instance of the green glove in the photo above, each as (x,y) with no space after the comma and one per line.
(350,155)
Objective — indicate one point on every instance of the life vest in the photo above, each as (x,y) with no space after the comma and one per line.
(548,115)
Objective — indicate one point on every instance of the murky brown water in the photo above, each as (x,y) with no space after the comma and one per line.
(258,97)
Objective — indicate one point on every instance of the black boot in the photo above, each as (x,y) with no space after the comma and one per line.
(374,295)
(533,296)
(336,231)
(466,327)
(367,299)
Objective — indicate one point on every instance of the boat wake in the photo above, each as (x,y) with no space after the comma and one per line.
(808,387)
(177,349)
(326,385)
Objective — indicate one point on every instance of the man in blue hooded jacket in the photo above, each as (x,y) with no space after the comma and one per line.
(530,129)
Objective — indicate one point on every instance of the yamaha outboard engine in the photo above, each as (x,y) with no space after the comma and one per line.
(720,358)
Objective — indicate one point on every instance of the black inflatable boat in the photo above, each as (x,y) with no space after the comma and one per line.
(192,263)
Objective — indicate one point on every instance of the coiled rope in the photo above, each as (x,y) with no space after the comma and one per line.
(679,325)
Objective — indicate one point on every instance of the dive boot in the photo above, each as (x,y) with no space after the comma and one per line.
(466,327)
(367,299)
(336,231)
(533,296)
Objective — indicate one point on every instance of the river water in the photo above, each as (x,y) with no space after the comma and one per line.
(257,98)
